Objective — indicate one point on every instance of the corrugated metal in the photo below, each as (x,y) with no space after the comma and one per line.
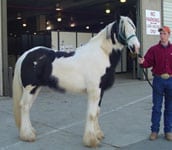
(167,14)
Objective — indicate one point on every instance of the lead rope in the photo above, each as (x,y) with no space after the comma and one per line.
(145,74)
(147,79)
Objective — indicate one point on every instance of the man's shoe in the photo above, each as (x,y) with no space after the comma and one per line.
(168,136)
(153,136)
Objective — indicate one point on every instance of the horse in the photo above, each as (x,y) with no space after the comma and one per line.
(90,69)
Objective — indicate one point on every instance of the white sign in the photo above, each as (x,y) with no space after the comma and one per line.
(153,22)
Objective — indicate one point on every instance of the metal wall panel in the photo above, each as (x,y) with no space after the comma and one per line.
(83,38)
(1,75)
(167,14)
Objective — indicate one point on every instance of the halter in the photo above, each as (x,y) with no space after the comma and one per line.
(120,35)
(123,39)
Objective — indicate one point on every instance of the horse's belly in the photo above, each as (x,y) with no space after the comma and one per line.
(72,83)
(69,74)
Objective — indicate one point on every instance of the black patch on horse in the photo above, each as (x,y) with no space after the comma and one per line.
(119,36)
(107,80)
(114,30)
(64,54)
(36,68)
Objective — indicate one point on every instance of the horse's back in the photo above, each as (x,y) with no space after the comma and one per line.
(36,67)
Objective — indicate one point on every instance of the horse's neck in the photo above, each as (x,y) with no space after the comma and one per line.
(98,38)
(102,41)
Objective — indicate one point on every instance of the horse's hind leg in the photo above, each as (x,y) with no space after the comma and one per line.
(27,132)
(90,138)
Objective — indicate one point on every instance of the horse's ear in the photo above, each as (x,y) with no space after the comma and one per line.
(117,16)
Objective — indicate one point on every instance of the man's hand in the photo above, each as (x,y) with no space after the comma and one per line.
(141,60)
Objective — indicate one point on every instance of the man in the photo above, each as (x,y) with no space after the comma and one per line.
(159,57)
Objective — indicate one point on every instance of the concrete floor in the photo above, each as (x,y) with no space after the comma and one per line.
(59,120)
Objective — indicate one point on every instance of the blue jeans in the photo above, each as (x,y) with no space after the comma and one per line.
(162,88)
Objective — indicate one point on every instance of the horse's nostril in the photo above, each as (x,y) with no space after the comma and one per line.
(131,48)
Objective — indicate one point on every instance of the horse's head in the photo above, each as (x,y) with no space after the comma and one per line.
(127,34)
(122,33)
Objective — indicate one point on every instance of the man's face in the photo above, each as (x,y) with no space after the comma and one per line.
(164,36)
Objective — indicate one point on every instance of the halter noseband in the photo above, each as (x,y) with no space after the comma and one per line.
(123,39)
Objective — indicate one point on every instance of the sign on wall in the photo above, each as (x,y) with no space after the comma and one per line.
(153,22)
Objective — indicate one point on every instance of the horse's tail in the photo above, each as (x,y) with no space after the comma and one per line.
(17,93)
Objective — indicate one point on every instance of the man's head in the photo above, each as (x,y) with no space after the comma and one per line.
(165,29)
(164,34)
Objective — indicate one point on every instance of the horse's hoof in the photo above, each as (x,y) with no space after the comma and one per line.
(100,135)
(28,137)
(90,140)
(91,143)
(33,130)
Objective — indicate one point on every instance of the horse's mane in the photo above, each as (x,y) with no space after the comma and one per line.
(102,33)
(106,39)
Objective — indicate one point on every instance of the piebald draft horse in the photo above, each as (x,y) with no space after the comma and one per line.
(90,69)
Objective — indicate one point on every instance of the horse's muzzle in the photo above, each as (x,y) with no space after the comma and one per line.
(131,48)
(134,49)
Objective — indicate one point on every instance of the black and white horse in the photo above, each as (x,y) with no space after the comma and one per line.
(90,69)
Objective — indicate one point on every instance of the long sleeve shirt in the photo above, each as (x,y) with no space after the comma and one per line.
(159,58)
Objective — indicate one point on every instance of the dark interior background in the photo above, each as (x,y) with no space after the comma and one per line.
(83,12)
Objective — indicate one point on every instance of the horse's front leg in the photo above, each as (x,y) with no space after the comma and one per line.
(27,132)
(90,136)
(99,132)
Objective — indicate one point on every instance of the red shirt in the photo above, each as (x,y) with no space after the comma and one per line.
(159,58)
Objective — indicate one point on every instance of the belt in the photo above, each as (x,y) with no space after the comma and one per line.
(164,76)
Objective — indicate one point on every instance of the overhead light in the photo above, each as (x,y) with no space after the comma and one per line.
(48,22)
(107,11)
(58,7)
(72,22)
(101,22)
(59,17)
(122,1)
(87,27)
(11,34)
(49,26)
(24,24)
(19,17)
